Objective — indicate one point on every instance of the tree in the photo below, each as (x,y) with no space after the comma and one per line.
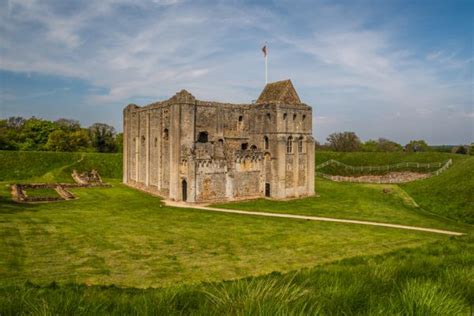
(103,137)
(384,144)
(34,134)
(119,142)
(462,150)
(416,146)
(370,145)
(68,124)
(80,140)
(7,137)
(59,140)
(15,122)
(346,141)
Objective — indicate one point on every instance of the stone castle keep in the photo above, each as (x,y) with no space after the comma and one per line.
(198,151)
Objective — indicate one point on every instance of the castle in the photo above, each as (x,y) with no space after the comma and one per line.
(184,149)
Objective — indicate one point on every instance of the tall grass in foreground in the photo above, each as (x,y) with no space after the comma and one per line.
(436,279)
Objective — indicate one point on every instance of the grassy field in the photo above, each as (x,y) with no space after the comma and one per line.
(424,202)
(125,237)
(24,166)
(450,194)
(435,279)
(353,201)
(120,251)
(41,192)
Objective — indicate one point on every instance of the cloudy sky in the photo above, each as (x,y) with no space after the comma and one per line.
(396,69)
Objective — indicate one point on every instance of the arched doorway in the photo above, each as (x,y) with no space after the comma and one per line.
(184,187)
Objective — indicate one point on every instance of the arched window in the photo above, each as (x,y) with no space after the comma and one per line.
(284,116)
(165,134)
(241,118)
(294,117)
(265,142)
(304,117)
(244,146)
(202,137)
(289,145)
(221,142)
(253,147)
(300,144)
(269,116)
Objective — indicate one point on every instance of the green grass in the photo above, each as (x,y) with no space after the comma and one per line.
(41,192)
(352,201)
(55,166)
(451,194)
(447,196)
(384,158)
(434,279)
(125,237)
(120,251)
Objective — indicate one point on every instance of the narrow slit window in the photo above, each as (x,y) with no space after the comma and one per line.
(289,145)
(300,145)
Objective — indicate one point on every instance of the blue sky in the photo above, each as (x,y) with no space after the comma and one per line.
(396,69)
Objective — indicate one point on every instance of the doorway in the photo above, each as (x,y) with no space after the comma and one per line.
(267,189)
(184,187)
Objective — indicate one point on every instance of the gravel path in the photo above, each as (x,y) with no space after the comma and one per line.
(312,218)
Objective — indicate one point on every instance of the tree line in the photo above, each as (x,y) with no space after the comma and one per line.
(349,141)
(18,133)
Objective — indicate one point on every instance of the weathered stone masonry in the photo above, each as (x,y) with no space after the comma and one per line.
(197,151)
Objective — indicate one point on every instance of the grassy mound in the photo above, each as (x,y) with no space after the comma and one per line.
(450,194)
(436,279)
(56,166)
(384,158)
(358,201)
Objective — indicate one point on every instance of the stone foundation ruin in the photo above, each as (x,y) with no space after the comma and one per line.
(86,179)
(386,174)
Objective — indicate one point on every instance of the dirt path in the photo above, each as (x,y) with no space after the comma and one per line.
(313,218)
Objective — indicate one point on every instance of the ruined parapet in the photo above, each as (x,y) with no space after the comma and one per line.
(248,160)
(17,193)
(204,150)
(87,178)
(65,194)
(211,165)
(20,192)
(77,178)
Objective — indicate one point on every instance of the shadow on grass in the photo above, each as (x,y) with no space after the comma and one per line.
(8,206)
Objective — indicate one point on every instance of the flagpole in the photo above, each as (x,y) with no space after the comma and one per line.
(265,55)
(266,69)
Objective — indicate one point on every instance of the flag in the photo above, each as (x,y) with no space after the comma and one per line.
(264,50)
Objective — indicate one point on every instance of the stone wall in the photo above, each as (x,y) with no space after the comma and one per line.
(183,148)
